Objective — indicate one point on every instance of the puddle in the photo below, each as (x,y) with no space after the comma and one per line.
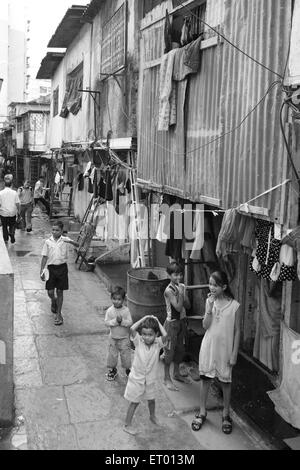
(24,253)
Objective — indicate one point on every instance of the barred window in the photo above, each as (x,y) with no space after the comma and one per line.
(113,52)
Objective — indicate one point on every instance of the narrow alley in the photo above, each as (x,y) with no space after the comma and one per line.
(62,398)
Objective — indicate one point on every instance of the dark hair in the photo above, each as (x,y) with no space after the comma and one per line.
(174,268)
(41,177)
(221,279)
(58,223)
(150,323)
(118,291)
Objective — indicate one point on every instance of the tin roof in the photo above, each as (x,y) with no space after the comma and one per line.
(68,28)
(49,65)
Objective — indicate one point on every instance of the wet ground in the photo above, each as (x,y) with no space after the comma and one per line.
(62,398)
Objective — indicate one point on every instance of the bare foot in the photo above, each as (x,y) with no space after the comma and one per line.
(179,378)
(130,430)
(170,386)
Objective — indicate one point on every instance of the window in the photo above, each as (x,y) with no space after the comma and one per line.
(36,122)
(19,126)
(55,101)
(113,52)
(73,97)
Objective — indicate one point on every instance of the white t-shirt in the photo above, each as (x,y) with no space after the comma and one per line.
(57,251)
(8,202)
(38,190)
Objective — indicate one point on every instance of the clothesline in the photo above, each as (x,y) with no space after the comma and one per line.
(239,207)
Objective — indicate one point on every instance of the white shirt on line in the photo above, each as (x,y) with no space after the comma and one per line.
(57,251)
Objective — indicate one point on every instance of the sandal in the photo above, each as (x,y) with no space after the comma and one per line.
(198,422)
(111,375)
(226,424)
(58,320)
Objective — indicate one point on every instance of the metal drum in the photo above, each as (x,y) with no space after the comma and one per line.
(145,293)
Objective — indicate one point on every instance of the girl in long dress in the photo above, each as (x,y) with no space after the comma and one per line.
(219,348)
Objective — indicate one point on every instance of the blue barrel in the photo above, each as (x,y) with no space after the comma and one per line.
(146,296)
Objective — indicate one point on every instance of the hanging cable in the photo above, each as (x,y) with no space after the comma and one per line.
(277,82)
(229,42)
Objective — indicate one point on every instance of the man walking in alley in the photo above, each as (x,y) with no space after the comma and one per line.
(39,194)
(9,208)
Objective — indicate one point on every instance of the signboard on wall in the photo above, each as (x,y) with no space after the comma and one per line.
(113,52)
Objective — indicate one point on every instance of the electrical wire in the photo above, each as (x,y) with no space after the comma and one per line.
(228,41)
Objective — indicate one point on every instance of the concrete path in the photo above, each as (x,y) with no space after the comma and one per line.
(62,398)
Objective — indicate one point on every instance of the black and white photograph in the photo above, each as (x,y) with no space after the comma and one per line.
(150,228)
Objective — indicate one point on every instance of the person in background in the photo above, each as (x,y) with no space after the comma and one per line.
(38,195)
(9,209)
(118,319)
(25,194)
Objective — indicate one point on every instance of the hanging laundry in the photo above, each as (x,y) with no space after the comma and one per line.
(57,178)
(168,33)
(268,248)
(286,398)
(87,170)
(186,31)
(293,239)
(288,264)
(105,190)
(199,235)
(228,241)
(192,55)
(266,344)
(248,242)
(167,92)
(180,69)
(80,180)
(174,243)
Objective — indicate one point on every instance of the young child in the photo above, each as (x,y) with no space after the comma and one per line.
(118,319)
(219,348)
(143,376)
(55,256)
(176,301)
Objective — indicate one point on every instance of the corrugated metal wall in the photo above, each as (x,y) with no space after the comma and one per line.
(250,160)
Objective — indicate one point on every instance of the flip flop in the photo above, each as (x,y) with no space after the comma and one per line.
(226,424)
(58,321)
(171,387)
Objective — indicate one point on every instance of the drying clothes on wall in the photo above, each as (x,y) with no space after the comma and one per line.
(180,68)
(105,190)
(199,235)
(192,55)
(167,93)
(268,318)
(168,33)
(248,242)
(293,239)
(87,171)
(286,398)
(80,181)
(174,242)
(228,240)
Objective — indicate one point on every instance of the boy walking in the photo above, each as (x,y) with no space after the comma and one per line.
(55,256)
(119,320)
(25,194)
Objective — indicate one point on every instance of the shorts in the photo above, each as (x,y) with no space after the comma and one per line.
(206,379)
(136,392)
(116,347)
(174,350)
(58,277)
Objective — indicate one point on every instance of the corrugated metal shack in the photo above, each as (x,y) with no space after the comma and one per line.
(226,148)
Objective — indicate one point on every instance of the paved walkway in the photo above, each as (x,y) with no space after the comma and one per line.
(62,398)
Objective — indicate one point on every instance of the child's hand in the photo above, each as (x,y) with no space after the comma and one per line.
(211,298)
(119,318)
(232,360)
(42,275)
(181,289)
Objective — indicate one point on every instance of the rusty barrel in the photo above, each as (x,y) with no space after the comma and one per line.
(146,296)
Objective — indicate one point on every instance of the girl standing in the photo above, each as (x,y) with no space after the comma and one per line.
(219,348)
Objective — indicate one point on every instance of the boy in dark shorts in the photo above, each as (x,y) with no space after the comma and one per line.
(176,302)
(55,256)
